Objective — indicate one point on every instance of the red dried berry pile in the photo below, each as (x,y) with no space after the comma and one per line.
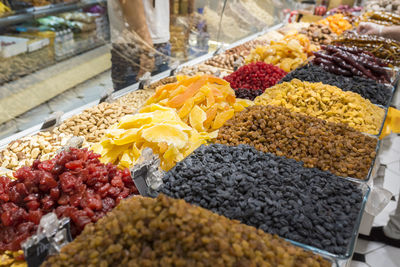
(256,76)
(74,184)
(247,93)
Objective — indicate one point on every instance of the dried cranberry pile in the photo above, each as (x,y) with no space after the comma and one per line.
(247,93)
(256,76)
(74,184)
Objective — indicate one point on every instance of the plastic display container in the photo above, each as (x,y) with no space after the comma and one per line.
(336,258)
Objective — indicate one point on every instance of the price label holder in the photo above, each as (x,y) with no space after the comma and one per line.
(139,178)
(51,236)
(238,63)
(145,80)
(106,96)
(147,174)
(218,51)
(174,67)
(52,121)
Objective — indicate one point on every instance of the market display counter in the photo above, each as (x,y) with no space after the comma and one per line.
(295,163)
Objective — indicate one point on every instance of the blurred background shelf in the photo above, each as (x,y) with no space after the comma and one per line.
(35,12)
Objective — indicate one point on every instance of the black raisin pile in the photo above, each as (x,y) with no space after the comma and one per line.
(272,193)
(169,232)
(376,92)
(247,93)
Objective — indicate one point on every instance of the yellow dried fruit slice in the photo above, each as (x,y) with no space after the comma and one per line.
(112,155)
(197,117)
(134,121)
(222,117)
(126,160)
(115,133)
(186,108)
(153,107)
(171,134)
(128,137)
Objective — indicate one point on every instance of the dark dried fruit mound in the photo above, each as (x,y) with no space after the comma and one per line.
(333,147)
(377,93)
(255,76)
(275,194)
(74,184)
(247,93)
(169,232)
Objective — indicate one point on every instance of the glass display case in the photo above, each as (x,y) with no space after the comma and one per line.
(73,69)
(62,45)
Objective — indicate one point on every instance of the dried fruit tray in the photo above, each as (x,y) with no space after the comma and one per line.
(371,169)
(383,121)
(350,247)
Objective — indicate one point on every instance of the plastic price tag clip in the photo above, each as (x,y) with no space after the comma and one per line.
(147,174)
(51,121)
(174,67)
(238,63)
(144,80)
(73,142)
(106,96)
(52,234)
(218,51)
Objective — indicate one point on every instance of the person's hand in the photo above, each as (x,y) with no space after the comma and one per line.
(369,28)
(146,64)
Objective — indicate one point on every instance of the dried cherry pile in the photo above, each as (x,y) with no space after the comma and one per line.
(256,76)
(275,194)
(74,184)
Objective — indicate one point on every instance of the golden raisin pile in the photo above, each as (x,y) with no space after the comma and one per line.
(333,147)
(169,232)
(325,102)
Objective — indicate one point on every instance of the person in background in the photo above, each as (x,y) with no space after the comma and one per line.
(140,39)
(391,32)
(390,233)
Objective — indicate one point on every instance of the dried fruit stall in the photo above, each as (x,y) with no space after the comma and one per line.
(273,138)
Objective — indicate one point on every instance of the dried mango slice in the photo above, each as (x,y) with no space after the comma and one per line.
(210,113)
(153,107)
(171,134)
(179,100)
(197,117)
(128,137)
(186,108)
(210,94)
(132,121)
(111,155)
(126,160)
(222,117)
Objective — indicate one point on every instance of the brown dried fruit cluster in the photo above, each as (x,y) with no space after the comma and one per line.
(325,102)
(243,50)
(333,147)
(223,61)
(319,34)
(203,69)
(153,86)
(169,232)
(93,122)
(24,151)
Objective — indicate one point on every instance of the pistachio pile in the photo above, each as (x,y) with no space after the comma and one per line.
(92,123)
(24,151)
